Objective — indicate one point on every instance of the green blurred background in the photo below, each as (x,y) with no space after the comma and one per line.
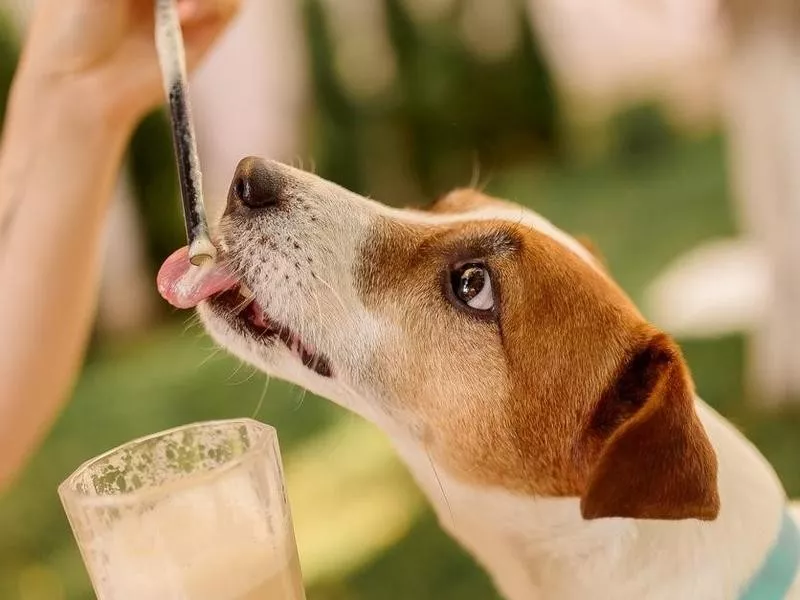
(363,529)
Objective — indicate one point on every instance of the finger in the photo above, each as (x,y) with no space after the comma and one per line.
(199,35)
(199,38)
(195,11)
(189,10)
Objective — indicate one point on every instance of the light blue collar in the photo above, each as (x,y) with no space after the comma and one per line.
(779,570)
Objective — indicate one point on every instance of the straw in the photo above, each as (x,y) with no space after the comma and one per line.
(172,57)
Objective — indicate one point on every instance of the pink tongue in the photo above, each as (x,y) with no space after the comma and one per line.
(186,286)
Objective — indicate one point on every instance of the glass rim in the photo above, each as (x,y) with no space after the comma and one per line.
(68,490)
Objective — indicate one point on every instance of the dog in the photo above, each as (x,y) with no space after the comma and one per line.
(555,431)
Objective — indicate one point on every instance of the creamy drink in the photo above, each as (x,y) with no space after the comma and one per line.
(204,518)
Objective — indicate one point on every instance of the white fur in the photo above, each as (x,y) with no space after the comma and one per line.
(532,547)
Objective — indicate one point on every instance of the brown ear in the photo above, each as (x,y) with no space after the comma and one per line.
(655,460)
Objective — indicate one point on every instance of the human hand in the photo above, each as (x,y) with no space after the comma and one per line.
(104,51)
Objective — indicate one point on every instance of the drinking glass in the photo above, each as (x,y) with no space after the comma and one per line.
(198,512)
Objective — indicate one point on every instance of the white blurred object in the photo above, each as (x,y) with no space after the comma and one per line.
(719,288)
(611,53)
(763,125)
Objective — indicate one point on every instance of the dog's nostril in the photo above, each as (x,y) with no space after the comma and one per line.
(255,184)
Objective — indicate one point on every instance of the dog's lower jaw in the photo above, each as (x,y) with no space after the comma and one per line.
(272,359)
(275,361)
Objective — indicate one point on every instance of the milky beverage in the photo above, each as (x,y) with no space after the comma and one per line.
(218,540)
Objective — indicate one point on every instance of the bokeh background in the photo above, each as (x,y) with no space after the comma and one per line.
(661,129)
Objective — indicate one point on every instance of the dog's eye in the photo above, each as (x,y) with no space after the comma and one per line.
(473,286)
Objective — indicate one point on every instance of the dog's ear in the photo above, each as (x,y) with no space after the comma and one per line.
(654,459)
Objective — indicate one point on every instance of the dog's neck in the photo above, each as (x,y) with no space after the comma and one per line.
(542,548)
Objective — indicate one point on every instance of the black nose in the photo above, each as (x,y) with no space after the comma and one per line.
(255,184)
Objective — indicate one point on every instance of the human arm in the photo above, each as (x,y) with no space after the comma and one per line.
(87,75)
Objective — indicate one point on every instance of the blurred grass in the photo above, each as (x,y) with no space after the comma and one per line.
(363,529)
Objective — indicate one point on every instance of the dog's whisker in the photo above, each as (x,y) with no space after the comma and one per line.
(190,322)
(441,487)
(303,392)
(315,296)
(476,171)
(236,370)
(333,291)
(481,186)
(210,357)
(261,399)
(253,372)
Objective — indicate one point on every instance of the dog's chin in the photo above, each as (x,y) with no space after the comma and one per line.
(276,360)
(240,326)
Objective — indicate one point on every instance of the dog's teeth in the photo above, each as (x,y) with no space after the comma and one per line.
(246,291)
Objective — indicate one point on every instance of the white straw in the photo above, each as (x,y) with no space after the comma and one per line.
(172,57)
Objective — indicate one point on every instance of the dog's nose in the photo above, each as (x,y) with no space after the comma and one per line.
(255,184)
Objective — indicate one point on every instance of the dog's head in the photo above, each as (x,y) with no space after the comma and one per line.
(491,338)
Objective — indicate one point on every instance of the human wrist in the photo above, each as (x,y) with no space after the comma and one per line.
(72,102)
(52,127)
